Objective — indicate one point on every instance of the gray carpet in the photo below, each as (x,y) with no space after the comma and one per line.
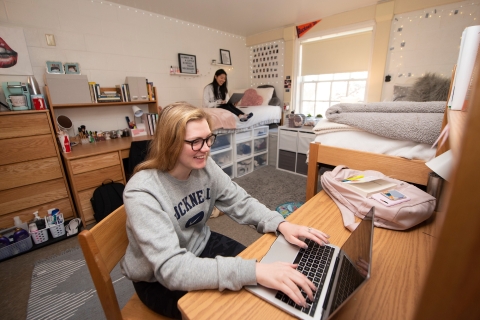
(61,286)
(63,289)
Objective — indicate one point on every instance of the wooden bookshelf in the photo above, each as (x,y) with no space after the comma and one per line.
(152,104)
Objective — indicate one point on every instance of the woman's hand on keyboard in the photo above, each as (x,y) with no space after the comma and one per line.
(284,277)
(292,233)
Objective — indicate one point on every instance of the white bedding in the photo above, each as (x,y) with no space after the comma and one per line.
(262,115)
(347,137)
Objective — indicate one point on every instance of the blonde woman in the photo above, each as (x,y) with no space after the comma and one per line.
(168,202)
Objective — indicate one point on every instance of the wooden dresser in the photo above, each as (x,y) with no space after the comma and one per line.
(31,171)
(89,165)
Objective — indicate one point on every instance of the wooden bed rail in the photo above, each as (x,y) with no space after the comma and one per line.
(414,171)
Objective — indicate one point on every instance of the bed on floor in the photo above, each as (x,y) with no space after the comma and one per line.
(394,138)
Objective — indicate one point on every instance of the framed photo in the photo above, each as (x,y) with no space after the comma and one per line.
(225,57)
(72,68)
(187,63)
(55,67)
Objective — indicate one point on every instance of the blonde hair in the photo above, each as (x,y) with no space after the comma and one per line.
(165,148)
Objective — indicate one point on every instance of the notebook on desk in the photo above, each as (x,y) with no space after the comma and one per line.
(337,273)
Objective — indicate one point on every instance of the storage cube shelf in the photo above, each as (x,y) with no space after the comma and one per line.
(240,153)
(293,145)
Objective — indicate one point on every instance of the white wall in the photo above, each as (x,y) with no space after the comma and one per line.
(112,41)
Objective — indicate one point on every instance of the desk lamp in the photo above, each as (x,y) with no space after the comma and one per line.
(138,113)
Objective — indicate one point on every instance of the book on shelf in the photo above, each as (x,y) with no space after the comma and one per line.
(366,189)
(150,91)
(93,94)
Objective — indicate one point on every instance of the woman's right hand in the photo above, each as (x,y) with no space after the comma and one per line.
(284,277)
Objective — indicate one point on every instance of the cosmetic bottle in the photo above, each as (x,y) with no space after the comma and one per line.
(4,241)
(171,70)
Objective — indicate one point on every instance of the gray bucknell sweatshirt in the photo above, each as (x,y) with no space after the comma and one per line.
(167,231)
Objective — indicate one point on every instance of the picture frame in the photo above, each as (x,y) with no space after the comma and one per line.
(225,57)
(72,68)
(55,67)
(187,63)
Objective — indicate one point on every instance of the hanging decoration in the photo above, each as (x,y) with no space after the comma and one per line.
(303,28)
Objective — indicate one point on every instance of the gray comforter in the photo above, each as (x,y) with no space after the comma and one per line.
(400,120)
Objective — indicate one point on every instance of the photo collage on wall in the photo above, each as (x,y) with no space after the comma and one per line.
(266,63)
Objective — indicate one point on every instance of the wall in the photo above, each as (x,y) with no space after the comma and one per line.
(112,41)
(381,14)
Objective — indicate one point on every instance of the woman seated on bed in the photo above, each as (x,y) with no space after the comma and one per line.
(215,94)
(168,201)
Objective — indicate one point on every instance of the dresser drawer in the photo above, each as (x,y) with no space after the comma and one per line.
(24,125)
(94,163)
(95,178)
(64,205)
(27,148)
(16,199)
(25,173)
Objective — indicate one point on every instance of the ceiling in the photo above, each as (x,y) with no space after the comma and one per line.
(246,17)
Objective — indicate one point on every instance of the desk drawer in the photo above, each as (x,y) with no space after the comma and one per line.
(95,162)
(24,125)
(25,173)
(26,148)
(12,200)
(95,178)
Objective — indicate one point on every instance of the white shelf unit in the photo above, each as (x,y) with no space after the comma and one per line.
(222,153)
(224,65)
(293,145)
(251,150)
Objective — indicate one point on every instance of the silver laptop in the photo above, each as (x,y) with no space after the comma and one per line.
(236,97)
(336,272)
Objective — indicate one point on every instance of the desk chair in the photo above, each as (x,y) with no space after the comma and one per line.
(103,246)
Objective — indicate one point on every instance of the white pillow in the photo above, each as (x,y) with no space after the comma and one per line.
(266,94)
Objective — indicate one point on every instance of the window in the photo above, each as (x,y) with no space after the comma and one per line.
(319,92)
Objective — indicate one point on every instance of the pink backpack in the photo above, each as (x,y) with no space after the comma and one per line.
(398,217)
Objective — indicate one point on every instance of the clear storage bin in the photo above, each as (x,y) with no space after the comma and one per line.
(259,161)
(260,145)
(244,149)
(244,167)
(223,158)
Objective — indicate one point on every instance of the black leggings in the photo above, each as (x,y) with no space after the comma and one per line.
(163,301)
(230,107)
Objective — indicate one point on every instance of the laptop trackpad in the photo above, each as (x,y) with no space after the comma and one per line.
(281,250)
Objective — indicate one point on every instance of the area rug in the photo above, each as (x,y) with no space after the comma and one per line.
(62,288)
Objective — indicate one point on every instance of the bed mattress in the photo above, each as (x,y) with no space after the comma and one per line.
(368,142)
(262,115)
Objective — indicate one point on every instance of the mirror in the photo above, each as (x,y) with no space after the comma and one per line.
(64,123)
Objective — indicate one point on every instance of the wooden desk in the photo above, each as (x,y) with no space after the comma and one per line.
(399,266)
(88,165)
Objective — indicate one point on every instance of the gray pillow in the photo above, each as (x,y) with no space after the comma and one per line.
(275,102)
(400,93)
(430,87)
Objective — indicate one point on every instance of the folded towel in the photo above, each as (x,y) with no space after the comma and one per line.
(324,126)
(401,120)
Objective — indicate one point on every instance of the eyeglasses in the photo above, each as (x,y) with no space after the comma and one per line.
(197,144)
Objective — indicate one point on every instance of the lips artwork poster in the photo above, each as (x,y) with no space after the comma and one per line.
(14,58)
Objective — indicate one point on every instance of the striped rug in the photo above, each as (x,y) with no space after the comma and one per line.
(63,289)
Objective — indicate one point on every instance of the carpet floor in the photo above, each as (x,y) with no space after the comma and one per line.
(35,287)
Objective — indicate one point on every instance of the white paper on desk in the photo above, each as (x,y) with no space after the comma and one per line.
(442,165)
(465,64)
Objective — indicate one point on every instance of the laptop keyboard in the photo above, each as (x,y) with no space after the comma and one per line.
(313,263)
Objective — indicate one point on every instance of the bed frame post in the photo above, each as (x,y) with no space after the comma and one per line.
(312,176)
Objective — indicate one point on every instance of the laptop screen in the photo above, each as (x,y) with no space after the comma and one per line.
(354,264)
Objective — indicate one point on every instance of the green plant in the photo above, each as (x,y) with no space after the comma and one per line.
(309,115)
(319,116)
